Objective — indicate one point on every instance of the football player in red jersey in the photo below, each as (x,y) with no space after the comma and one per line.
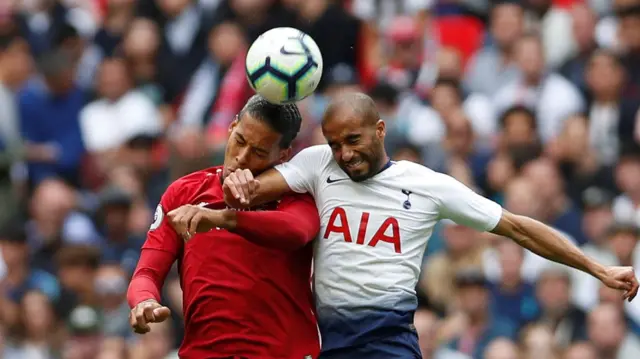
(245,279)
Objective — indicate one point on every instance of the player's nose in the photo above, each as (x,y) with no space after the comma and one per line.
(242,158)
(346,153)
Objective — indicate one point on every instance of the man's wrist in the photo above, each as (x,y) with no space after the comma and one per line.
(598,270)
(226,218)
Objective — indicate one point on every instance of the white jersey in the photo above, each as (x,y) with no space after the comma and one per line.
(373,236)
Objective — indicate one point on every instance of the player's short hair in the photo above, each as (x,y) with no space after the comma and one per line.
(284,119)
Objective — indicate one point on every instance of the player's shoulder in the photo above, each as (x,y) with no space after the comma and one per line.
(194,183)
(422,177)
(317,152)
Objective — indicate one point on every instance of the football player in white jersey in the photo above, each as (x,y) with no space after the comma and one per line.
(376,218)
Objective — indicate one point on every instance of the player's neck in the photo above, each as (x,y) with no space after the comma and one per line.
(384,164)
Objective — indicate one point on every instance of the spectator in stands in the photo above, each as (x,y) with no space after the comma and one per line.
(628,15)
(120,245)
(462,251)
(118,115)
(38,328)
(140,46)
(577,160)
(501,348)
(608,333)
(553,292)
(560,211)
(54,222)
(512,297)
(111,289)
(554,25)
(493,67)
(626,206)
(15,68)
(49,114)
(19,278)
(581,350)
(597,219)
(481,327)
(85,338)
(612,118)
(518,135)
(77,267)
(427,324)
(538,342)
(584,21)
(549,95)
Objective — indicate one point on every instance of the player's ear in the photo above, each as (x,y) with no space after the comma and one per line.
(285,154)
(233,124)
(381,128)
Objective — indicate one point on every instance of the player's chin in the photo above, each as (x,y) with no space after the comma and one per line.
(359,173)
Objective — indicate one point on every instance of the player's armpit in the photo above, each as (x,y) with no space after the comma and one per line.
(294,224)
(148,278)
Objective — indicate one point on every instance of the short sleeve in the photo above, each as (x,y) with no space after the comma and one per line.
(161,236)
(460,204)
(302,172)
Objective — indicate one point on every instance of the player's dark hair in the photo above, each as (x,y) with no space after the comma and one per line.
(519,109)
(284,119)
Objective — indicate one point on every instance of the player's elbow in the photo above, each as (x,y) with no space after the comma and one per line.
(513,226)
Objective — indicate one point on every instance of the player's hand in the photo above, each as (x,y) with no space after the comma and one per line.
(622,278)
(148,311)
(240,188)
(188,220)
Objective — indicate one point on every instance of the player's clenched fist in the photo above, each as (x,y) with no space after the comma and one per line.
(188,220)
(240,188)
(147,312)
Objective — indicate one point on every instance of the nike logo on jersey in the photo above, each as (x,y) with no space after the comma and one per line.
(329,180)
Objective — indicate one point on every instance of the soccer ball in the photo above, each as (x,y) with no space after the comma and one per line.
(284,65)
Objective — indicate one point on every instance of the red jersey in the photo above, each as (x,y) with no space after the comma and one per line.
(246,293)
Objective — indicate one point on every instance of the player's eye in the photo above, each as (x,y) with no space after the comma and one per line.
(240,141)
(353,140)
(260,153)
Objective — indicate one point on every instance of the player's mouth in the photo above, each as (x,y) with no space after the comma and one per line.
(354,164)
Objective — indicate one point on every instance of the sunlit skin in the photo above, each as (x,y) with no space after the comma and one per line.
(252,145)
(355,133)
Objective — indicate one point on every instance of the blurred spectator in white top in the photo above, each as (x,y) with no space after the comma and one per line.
(554,25)
(492,67)
(119,114)
(551,96)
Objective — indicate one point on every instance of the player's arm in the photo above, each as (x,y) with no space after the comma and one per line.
(242,190)
(291,226)
(460,204)
(299,175)
(549,243)
(158,254)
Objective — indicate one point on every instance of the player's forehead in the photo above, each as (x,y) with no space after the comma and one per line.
(342,122)
(256,132)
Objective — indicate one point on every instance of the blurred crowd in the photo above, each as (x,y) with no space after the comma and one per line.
(533,103)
